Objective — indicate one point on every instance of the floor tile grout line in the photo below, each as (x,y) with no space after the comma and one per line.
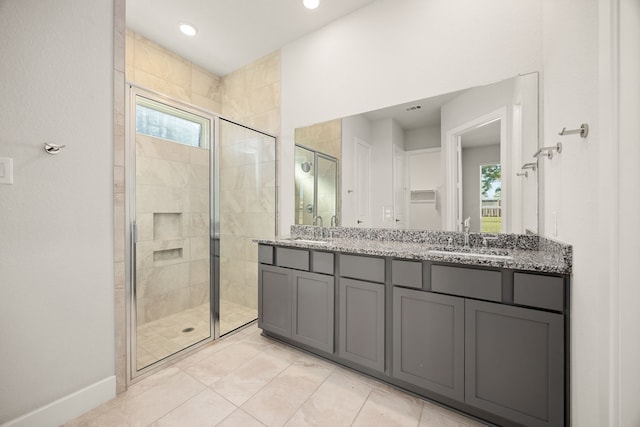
(244,412)
(361,406)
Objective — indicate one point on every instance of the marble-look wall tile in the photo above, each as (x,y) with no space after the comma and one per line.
(162,63)
(200,293)
(199,156)
(263,71)
(199,248)
(199,271)
(119,227)
(157,148)
(161,280)
(162,305)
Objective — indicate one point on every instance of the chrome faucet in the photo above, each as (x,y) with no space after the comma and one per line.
(315,220)
(465,228)
(334,221)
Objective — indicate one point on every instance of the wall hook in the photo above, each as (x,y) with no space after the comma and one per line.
(525,174)
(50,148)
(549,150)
(583,131)
(533,166)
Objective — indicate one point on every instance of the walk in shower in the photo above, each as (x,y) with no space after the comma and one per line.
(316,187)
(200,188)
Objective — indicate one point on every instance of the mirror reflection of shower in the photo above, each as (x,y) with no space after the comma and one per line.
(316,188)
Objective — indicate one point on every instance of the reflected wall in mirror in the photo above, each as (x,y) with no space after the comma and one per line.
(431,163)
(317,174)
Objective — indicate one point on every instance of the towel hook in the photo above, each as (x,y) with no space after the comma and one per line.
(525,174)
(50,148)
(533,166)
(549,150)
(583,131)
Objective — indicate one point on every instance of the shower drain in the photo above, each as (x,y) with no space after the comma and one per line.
(186,330)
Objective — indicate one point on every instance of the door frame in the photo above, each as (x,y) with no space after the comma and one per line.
(133,374)
(450,166)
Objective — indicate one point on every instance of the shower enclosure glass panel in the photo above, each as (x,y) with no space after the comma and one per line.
(304,185)
(247,210)
(171,237)
(326,189)
(316,187)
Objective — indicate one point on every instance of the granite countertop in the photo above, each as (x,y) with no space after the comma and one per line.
(547,257)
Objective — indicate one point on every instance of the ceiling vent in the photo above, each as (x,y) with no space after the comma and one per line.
(413,108)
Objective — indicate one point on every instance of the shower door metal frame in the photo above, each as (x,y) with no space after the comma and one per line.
(317,154)
(134,374)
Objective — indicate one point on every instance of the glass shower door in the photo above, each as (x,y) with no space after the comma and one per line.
(171,216)
(305,197)
(246,210)
(327,189)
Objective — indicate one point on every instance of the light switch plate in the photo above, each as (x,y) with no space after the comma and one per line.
(6,170)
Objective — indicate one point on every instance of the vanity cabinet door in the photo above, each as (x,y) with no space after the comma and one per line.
(274,299)
(514,361)
(313,310)
(428,341)
(362,323)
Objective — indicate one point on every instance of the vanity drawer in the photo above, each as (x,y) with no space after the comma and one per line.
(538,291)
(265,254)
(322,262)
(406,273)
(292,258)
(467,282)
(362,267)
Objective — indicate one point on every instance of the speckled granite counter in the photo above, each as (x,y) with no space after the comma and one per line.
(527,252)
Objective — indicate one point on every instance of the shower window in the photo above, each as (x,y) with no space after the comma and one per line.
(166,122)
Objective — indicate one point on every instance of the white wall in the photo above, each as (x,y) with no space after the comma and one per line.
(382,133)
(385,55)
(629,156)
(421,138)
(56,228)
(577,184)
(352,127)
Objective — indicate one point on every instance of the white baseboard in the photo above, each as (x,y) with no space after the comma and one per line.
(68,407)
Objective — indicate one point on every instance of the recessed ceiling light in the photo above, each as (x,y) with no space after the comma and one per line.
(188,29)
(311,4)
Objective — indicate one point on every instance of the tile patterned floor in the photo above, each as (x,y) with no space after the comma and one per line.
(248,380)
(163,337)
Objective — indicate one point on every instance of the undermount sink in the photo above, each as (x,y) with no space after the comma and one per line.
(470,254)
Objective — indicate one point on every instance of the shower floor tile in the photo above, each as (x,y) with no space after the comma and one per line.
(164,337)
(250,380)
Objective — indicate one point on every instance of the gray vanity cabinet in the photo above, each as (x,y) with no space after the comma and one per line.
(297,304)
(514,362)
(274,299)
(312,316)
(362,323)
(428,341)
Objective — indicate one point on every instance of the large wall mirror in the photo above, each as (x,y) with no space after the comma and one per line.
(430,164)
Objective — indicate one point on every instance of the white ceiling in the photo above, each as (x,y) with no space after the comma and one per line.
(482,136)
(231,33)
(427,115)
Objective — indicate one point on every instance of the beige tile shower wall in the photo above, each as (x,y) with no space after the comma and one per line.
(323,137)
(251,96)
(247,209)
(153,67)
(172,216)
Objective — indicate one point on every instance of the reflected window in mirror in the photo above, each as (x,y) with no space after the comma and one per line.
(490,206)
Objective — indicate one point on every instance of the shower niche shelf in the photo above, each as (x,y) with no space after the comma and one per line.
(167,225)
